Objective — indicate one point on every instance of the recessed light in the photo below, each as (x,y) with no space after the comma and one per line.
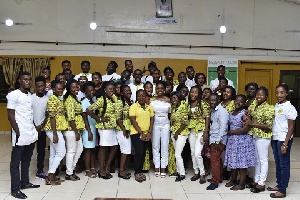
(223,29)
(9,22)
(93,25)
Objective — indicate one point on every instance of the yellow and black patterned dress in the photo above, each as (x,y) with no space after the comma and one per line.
(262,114)
(197,118)
(56,110)
(73,110)
(110,112)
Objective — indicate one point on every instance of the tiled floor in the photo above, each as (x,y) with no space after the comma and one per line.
(88,188)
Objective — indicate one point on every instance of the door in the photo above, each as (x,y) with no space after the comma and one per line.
(292,79)
(262,77)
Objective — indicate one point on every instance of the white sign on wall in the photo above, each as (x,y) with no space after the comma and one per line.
(162,21)
(227,62)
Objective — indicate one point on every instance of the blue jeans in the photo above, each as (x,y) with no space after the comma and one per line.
(282,162)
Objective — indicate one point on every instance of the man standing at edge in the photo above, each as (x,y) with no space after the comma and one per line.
(24,135)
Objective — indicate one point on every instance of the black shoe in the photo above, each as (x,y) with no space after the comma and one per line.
(195,177)
(109,175)
(180,178)
(209,180)
(19,195)
(212,186)
(28,186)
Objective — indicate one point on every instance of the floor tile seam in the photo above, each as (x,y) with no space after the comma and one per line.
(84,188)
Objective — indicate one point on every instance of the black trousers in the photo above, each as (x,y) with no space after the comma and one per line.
(20,154)
(140,152)
(40,148)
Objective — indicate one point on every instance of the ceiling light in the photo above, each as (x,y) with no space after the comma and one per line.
(93,25)
(9,22)
(223,29)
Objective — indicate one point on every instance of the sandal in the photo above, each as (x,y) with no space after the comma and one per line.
(257,190)
(76,177)
(238,187)
(163,175)
(52,182)
(251,185)
(277,195)
(126,176)
(90,174)
(70,178)
(195,177)
(106,177)
(202,179)
(138,178)
(231,183)
(273,189)
(143,176)
(93,171)
(156,173)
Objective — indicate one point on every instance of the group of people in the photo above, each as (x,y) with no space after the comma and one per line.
(94,115)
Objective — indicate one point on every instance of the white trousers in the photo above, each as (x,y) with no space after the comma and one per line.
(74,150)
(261,169)
(160,145)
(196,149)
(57,151)
(178,146)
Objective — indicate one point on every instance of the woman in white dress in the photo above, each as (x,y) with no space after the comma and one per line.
(161,131)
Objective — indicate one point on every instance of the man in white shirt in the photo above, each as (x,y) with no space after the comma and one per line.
(39,105)
(85,68)
(129,67)
(81,93)
(24,135)
(111,72)
(221,73)
(137,84)
(190,81)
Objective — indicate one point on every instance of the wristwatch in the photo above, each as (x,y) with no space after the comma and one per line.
(217,142)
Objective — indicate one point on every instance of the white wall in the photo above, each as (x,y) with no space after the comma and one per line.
(250,24)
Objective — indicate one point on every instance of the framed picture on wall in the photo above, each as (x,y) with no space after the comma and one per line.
(164,8)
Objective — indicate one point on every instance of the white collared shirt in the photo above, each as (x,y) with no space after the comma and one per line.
(22,104)
(214,83)
(190,82)
(135,88)
(113,76)
(283,112)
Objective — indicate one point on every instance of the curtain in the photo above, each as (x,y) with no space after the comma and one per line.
(35,66)
(11,70)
